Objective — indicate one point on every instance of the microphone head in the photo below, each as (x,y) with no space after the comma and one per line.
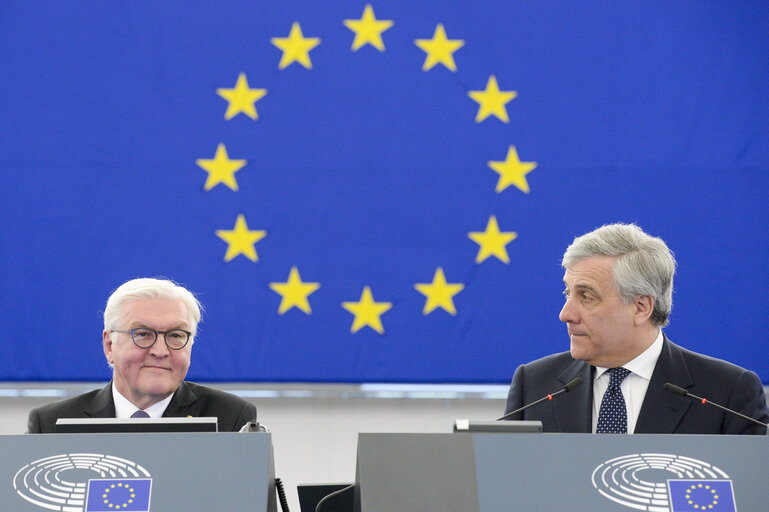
(572,384)
(675,389)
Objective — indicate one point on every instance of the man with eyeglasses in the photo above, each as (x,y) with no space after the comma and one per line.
(149,330)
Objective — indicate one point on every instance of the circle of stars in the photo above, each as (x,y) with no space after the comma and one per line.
(368,30)
(121,502)
(710,495)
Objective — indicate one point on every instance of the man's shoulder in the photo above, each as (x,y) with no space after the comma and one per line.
(72,405)
(560,360)
(232,411)
(207,393)
(43,419)
(697,361)
(549,369)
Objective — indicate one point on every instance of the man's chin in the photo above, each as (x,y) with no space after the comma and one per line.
(577,352)
(159,390)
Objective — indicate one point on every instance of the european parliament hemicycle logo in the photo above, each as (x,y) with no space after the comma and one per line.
(85,482)
(661,482)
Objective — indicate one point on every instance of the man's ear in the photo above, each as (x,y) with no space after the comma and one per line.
(107,343)
(644,306)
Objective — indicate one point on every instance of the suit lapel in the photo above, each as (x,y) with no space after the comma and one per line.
(184,403)
(573,413)
(102,406)
(662,411)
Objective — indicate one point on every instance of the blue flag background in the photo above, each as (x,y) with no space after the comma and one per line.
(368,171)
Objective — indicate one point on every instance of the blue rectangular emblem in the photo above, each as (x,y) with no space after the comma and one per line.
(701,495)
(109,495)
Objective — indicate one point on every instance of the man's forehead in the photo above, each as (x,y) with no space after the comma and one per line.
(155,307)
(591,272)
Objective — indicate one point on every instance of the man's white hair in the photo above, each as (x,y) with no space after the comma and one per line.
(149,288)
(644,264)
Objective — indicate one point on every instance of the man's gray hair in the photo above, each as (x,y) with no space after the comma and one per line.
(644,265)
(149,288)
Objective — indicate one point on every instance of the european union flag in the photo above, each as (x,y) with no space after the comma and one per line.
(378,191)
(129,494)
(699,495)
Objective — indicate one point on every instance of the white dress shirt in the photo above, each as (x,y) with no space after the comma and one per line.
(633,387)
(124,408)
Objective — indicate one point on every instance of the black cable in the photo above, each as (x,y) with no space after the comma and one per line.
(332,495)
(281,495)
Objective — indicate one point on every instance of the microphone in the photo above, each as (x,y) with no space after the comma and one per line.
(568,387)
(676,390)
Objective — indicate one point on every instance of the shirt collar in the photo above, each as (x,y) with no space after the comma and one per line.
(643,365)
(124,408)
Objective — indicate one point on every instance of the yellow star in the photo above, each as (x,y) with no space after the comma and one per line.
(220,169)
(439,49)
(512,171)
(294,292)
(439,293)
(367,312)
(368,30)
(241,98)
(492,101)
(295,47)
(492,242)
(241,240)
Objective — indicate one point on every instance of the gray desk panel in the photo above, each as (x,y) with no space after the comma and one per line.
(415,473)
(554,471)
(548,472)
(189,472)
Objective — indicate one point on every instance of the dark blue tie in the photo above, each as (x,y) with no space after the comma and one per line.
(612,417)
(140,414)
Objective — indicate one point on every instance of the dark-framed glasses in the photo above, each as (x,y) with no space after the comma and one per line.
(144,337)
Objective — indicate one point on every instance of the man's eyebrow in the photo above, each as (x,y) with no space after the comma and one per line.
(139,324)
(583,287)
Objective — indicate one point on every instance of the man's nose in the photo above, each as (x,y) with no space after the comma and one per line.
(159,348)
(568,315)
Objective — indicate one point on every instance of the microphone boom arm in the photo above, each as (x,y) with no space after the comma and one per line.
(568,387)
(676,390)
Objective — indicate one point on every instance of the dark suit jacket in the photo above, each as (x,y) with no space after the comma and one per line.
(189,400)
(662,412)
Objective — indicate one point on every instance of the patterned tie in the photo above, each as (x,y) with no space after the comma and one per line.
(612,417)
(140,414)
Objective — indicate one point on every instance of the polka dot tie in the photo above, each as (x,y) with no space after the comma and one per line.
(140,414)
(612,417)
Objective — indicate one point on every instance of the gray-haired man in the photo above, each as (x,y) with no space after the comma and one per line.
(619,286)
(149,330)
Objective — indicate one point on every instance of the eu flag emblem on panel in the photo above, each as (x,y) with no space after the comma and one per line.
(699,495)
(129,494)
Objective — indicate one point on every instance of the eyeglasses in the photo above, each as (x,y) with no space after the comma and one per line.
(144,337)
